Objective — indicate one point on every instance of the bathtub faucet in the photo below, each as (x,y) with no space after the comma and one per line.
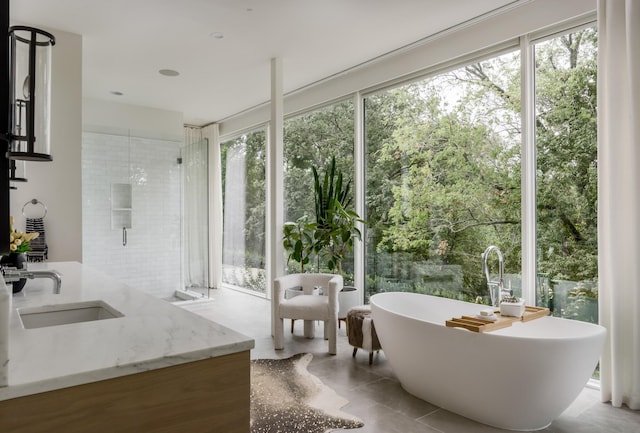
(496,288)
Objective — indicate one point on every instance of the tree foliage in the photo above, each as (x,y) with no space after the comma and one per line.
(567,156)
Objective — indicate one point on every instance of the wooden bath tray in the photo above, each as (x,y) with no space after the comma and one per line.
(482,325)
(531,313)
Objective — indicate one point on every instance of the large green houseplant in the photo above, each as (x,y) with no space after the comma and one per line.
(331,236)
(336,225)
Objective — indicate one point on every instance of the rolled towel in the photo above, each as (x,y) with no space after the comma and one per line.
(487,314)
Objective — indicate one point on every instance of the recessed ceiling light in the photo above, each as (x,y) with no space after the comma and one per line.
(168,72)
(116,93)
(216,35)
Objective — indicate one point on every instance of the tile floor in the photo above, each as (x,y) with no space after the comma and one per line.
(373,392)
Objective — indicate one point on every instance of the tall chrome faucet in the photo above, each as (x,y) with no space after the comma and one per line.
(496,288)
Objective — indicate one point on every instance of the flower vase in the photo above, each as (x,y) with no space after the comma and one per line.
(18,261)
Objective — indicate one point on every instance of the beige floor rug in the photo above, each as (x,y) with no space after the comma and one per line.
(286,398)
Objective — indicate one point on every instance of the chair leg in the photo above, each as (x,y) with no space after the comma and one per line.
(293,321)
(309,329)
(370,358)
(333,336)
(355,350)
(278,337)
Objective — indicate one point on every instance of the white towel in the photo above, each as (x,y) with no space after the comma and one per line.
(367,340)
(487,314)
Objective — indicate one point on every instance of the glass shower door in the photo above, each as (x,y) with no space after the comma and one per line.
(132,210)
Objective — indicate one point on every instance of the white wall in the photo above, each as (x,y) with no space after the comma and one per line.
(58,184)
(124,119)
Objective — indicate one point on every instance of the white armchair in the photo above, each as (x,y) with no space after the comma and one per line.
(307,306)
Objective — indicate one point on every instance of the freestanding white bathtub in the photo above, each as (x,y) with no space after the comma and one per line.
(517,378)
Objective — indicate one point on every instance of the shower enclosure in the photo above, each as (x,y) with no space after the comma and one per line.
(134,199)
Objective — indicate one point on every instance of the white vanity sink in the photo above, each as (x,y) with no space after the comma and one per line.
(64,314)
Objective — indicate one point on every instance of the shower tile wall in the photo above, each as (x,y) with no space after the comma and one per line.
(151,260)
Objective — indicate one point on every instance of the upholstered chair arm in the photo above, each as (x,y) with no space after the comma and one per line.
(335,286)
(281,284)
(278,291)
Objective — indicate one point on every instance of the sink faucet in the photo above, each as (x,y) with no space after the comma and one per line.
(12,274)
(499,291)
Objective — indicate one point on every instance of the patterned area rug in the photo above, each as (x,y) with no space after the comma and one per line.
(286,398)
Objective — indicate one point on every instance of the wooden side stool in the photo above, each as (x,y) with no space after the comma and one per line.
(362,332)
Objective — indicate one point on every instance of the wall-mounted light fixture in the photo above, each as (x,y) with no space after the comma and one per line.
(30,93)
(17,171)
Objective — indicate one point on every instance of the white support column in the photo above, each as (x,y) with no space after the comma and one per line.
(275,181)
(359,157)
(528,181)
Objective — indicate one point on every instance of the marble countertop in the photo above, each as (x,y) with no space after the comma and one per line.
(152,334)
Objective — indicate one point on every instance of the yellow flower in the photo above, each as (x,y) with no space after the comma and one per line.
(19,241)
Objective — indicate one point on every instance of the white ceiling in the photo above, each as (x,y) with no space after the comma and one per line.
(126,42)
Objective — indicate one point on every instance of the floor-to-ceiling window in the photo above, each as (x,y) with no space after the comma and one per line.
(443,177)
(443,180)
(566,175)
(244,196)
(312,139)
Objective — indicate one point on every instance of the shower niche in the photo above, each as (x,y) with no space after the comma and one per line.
(121,206)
